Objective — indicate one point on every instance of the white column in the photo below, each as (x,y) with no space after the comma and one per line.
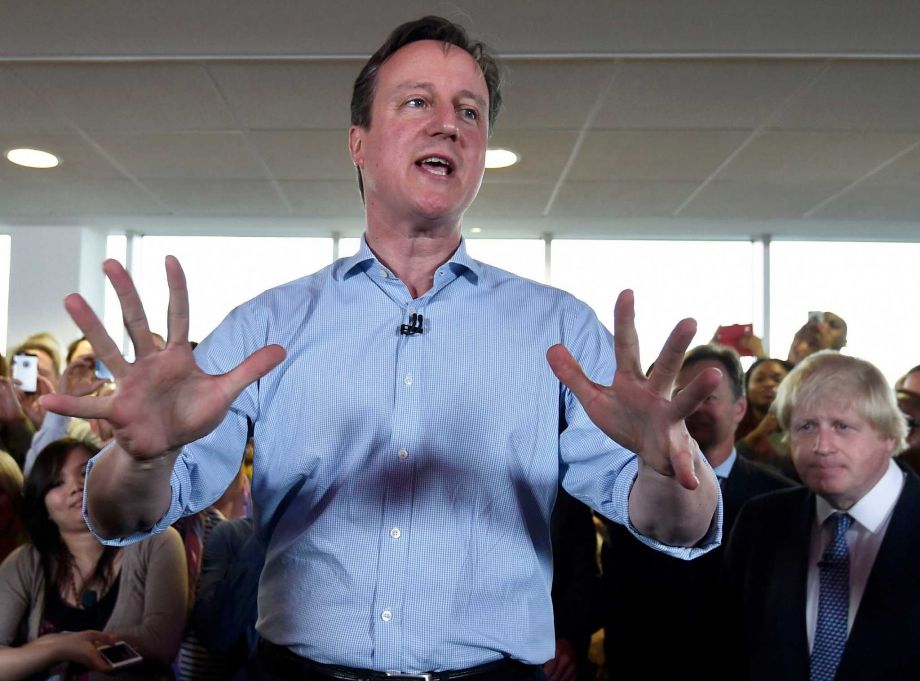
(47,262)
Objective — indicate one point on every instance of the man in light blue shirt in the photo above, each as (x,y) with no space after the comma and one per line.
(410,433)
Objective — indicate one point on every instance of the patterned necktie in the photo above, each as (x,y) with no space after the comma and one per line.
(833,602)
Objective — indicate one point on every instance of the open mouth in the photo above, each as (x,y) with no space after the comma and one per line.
(436,165)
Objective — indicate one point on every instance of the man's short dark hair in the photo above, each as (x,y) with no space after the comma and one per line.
(727,357)
(426,28)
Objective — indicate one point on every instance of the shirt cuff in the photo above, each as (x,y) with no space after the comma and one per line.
(710,540)
(172,514)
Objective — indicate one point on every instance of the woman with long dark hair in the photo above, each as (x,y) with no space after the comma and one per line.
(64,594)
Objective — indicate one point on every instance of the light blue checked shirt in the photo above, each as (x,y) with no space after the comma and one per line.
(404,484)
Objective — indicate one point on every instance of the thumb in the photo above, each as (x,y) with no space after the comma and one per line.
(570,373)
(254,367)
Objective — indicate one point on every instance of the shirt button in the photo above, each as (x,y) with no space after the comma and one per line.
(386,615)
(402,454)
(395,533)
(408,379)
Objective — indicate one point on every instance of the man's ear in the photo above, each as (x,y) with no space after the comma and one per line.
(740,409)
(356,145)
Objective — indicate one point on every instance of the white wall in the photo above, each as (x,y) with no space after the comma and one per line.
(47,262)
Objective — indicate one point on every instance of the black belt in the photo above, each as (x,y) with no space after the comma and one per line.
(284,663)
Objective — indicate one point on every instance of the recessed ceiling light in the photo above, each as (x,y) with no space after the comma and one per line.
(476,230)
(32,158)
(500,158)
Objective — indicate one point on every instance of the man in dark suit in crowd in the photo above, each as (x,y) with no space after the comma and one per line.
(686,595)
(825,577)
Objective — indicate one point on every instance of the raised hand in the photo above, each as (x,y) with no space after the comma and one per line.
(162,400)
(640,413)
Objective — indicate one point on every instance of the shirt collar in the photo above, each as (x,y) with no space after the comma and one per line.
(724,469)
(875,506)
(460,263)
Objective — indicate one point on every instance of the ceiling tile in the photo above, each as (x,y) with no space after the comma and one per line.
(79,160)
(208,155)
(887,203)
(700,93)
(334,199)
(667,155)
(151,97)
(289,95)
(551,94)
(502,200)
(543,154)
(219,197)
(617,200)
(21,110)
(777,157)
(880,95)
(68,199)
(758,200)
(305,154)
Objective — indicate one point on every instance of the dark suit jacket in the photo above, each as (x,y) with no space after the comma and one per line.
(663,609)
(767,563)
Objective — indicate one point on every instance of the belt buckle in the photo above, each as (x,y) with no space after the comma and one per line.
(427,676)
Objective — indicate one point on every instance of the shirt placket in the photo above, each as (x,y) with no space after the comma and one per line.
(394,572)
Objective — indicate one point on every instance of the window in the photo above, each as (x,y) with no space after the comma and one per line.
(873,286)
(712,281)
(221,273)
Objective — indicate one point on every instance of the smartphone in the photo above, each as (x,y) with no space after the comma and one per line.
(120,654)
(25,370)
(102,371)
(731,335)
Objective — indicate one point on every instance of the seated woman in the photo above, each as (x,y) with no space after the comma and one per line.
(65,594)
(759,436)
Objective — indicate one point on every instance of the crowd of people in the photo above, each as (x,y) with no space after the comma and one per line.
(334,487)
(186,599)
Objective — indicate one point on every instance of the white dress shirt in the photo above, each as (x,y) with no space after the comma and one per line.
(871,514)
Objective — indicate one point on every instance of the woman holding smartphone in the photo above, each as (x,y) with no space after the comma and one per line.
(65,595)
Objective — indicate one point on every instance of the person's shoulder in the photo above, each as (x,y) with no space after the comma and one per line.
(167,540)
(22,558)
(762,477)
(779,503)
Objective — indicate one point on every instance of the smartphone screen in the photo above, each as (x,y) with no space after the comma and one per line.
(120,654)
(102,371)
(25,370)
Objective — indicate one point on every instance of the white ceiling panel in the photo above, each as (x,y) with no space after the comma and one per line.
(722,200)
(667,155)
(65,200)
(326,199)
(500,200)
(231,109)
(79,159)
(21,110)
(543,154)
(305,154)
(219,197)
(288,95)
(777,157)
(701,94)
(619,200)
(879,202)
(209,155)
(547,94)
(131,97)
(878,95)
